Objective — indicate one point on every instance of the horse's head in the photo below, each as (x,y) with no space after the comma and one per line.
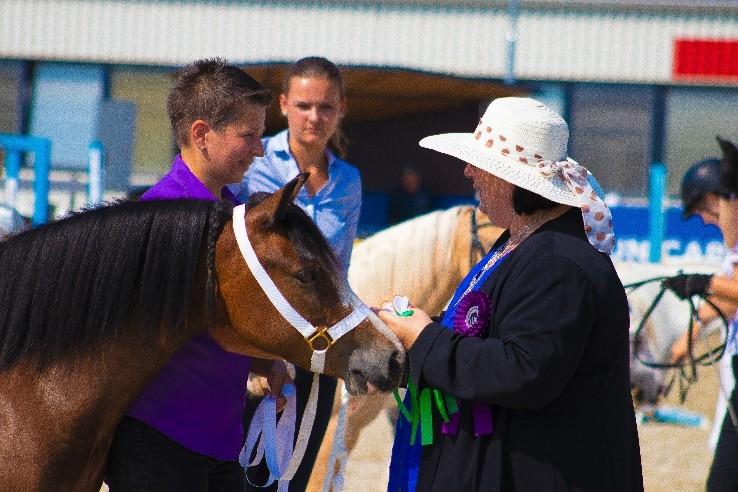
(300,263)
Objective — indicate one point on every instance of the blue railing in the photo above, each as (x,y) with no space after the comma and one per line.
(15,146)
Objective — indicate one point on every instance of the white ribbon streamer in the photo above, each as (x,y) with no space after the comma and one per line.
(276,446)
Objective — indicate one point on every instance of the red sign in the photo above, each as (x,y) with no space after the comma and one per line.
(706,59)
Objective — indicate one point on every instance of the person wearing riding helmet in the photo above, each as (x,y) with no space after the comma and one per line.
(709,190)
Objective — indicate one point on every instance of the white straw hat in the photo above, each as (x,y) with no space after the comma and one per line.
(513,136)
(524,142)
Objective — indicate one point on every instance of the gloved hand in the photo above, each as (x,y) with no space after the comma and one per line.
(686,285)
(728,168)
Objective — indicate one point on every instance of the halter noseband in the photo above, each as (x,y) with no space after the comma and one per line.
(311,334)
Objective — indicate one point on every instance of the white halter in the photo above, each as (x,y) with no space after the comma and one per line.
(311,334)
(264,430)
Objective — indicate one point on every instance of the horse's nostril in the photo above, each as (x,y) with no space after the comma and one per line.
(396,362)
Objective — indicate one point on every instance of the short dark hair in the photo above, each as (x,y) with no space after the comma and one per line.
(213,91)
(527,202)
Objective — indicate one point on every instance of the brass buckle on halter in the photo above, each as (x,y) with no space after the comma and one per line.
(321,334)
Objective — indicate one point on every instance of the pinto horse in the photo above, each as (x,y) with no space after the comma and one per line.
(95,304)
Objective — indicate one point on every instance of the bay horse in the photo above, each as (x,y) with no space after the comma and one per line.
(94,305)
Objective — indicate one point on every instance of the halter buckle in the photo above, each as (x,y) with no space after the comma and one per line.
(321,334)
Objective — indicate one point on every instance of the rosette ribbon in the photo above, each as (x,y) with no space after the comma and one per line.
(470,319)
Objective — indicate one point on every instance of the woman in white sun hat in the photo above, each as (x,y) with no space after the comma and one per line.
(523,384)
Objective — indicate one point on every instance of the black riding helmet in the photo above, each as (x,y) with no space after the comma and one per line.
(699,180)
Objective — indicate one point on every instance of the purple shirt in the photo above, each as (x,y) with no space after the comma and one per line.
(197,399)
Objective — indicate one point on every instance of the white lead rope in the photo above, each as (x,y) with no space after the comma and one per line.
(273,440)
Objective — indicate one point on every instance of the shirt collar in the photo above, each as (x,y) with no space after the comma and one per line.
(280,146)
(196,189)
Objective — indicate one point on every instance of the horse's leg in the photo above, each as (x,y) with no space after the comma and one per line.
(361,411)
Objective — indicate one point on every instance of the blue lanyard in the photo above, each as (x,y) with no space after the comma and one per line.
(447,320)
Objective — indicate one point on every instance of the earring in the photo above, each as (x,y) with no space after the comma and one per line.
(284,113)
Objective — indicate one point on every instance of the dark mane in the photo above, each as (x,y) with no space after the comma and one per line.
(74,283)
(309,242)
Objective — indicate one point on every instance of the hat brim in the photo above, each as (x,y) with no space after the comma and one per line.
(464,147)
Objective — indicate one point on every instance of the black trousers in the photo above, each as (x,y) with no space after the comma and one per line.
(141,459)
(723,475)
(258,475)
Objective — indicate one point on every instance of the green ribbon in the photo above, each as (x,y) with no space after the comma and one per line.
(420,413)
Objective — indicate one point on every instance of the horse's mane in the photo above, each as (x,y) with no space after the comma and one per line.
(71,284)
(405,258)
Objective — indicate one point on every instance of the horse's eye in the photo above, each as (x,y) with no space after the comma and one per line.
(305,276)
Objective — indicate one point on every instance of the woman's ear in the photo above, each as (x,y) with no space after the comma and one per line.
(198,132)
(283,104)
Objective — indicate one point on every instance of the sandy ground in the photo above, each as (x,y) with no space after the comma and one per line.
(674,458)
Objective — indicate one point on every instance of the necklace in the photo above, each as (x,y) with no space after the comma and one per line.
(512,243)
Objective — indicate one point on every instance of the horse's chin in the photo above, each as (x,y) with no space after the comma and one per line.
(356,384)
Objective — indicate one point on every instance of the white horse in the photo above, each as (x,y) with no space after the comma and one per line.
(427,257)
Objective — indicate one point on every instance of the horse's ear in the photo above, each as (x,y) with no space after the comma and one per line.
(287,194)
(729,149)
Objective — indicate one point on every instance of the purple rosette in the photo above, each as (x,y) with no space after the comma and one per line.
(472,314)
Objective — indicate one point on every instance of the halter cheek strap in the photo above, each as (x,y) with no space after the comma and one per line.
(318,339)
(595,214)
(273,440)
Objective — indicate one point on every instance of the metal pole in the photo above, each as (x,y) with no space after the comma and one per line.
(41,168)
(512,37)
(657,176)
(657,183)
(15,145)
(96,173)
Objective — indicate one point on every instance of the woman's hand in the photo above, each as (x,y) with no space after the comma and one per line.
(407,328)
(278,376)
(277,372)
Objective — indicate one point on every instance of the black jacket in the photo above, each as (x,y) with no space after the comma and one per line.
(554,365)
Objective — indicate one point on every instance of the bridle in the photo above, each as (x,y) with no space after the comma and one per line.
(318,339)
(272,440)
(476,245)
(685,371)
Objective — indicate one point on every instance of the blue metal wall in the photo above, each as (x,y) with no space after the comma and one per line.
(64,108)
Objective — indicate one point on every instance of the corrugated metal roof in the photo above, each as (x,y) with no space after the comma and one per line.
(455,39)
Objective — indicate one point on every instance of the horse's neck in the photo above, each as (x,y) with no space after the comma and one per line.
(79,400)
(424,258)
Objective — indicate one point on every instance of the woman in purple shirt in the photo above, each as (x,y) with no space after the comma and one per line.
(184,431)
